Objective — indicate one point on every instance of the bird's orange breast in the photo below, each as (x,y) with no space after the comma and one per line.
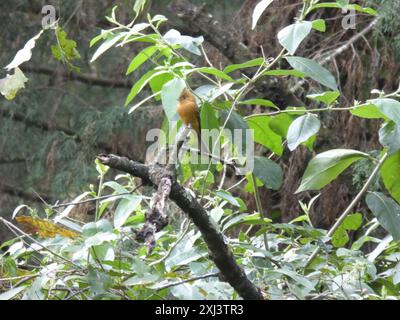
(188,112)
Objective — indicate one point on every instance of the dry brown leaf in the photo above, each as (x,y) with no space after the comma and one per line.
(43,228)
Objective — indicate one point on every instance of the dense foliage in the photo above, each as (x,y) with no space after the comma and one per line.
(57,256)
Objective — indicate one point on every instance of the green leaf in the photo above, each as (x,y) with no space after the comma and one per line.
(65,49)
(169,96)
(141,83)
(141,280)
(103,35)
(300,279)
(248,64)
(389,136)
(326,166)
(99,282)
(389,107)
(340,6)
(258,11)
(124,209)
(225,195)
(302,129)
(236,123)
(185,251)
(24,54)
(260,102)
(264,135)
(92,228)
(208,117)
(141,58)
(134,34)
(138,6)
(352,221)
(340,237)
(212,92)
(174,37)
(208,120)
(390,173)
(99,238)
(156,83)
(11,84)
(309,144)
(280,124)
(255,219)
(214,72)
(387,211)
(291,36)
(249,187)
(327,97)
(104,252)
(107,44)
(281,72)
(269,172)
(319,25)
(313,70)
(368,111)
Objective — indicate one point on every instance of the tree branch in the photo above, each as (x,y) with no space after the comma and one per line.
(91,80)
(42,125)
(13,191)
(219,250)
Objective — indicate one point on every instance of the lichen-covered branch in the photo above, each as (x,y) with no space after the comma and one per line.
(219,250)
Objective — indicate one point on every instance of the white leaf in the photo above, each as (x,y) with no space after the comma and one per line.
(24,54)
(258,11)
(11,84)
(107,45)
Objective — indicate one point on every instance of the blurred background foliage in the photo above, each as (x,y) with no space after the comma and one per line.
(50,134)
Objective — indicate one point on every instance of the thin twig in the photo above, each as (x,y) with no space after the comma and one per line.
(210,275)
(94,199)
(350,207)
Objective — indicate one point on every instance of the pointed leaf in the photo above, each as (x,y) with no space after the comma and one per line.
(174,37)
(319,25)
(387,211)
(302,129)
(107,44)
(390,173)
(326,166)
(141,58)
(169,96)
(327,97)
(269,172)
(24,54)
(258,11)
(313,70)
(264,135)
(389,107)
(291,36)
(389,136)
(248,64)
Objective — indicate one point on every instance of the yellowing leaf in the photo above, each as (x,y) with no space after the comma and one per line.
(65,49)
(43,228)
(11,84)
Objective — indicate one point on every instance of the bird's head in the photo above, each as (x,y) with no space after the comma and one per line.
(186,95)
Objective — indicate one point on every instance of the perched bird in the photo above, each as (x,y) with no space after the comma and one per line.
(189,113)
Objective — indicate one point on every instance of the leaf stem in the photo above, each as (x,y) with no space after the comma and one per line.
(350,206)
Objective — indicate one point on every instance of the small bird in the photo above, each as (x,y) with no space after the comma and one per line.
(190,115)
